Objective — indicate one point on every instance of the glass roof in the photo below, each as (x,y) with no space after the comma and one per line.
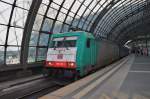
(119,14)
(12,23)
(103,18)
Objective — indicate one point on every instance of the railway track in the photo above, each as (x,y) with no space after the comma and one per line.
(8,84)
(30,90)
(40,92)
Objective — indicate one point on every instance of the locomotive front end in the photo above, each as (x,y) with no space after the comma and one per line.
(62,53)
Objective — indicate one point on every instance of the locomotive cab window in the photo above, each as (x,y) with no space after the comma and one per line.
(63,42)
(88,43)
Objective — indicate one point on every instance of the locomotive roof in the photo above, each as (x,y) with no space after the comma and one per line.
(74,33)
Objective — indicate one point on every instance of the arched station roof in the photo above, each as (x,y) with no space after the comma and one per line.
(26,25)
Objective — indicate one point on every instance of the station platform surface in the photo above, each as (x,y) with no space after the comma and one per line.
(128,78)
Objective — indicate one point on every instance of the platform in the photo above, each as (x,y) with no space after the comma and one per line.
(128,78)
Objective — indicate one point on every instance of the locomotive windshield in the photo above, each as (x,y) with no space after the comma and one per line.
(64,42)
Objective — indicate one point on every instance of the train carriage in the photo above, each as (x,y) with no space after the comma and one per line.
(78,53)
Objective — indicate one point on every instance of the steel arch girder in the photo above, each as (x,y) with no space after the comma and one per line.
(102,13)
(125,18)
(126,35)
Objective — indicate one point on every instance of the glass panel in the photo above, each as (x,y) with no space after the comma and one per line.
(24,3)
(31,54)
(3,30)
(75,6)
(64,10)
(34,38)
(81,10)
(75,22)
(9,1)
(41,54)
(87,2)
(5,11)
(52,13)
(61,17)
(19,17)
(93,4)
(58,1)
(42,9)
(43,39)
(55,6)
(89,27)
(102,2)
(96,8)
(47,25)
(86,13)
(85,26)
(45,2)
(69,19)
(38,22)
(65,28)
(68,3)
(106,3)
(71,14)
(15,36)
(13,55)
(1,54)
(81,23)
(57,27)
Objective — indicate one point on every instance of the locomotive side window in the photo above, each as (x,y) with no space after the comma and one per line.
(88,43)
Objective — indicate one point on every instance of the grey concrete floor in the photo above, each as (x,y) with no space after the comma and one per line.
(129,80)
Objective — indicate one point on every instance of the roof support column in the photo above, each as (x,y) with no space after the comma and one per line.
(27,31)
